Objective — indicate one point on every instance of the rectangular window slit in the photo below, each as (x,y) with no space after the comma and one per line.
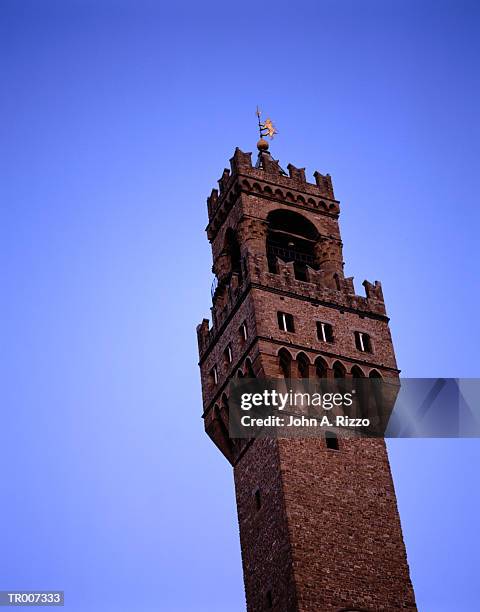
(269,599)
(258,499)
(363,342)
(324,332)
(214,375)
(285,321)
(228,354)
(243,331)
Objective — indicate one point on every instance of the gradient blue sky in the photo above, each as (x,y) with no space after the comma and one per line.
(117,119)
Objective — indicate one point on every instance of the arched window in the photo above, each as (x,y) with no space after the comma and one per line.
(291,237)
(357,372)
(285,360)
(221,416)
(320,368)
(224,411)
(249,373)
(303,365)
(376,392)
(361,391)
(338,370)
(225,402)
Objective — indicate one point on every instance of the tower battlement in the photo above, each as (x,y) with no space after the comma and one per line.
(224,302)
(244,178)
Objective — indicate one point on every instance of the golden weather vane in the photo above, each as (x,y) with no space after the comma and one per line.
(266,129)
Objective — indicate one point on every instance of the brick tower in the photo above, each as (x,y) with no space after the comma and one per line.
(319,525)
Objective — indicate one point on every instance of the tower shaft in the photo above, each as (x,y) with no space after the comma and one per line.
(319,525)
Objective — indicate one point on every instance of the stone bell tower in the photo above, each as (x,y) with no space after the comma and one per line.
(319,525)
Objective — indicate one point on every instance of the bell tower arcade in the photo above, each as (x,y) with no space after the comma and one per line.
(318,519)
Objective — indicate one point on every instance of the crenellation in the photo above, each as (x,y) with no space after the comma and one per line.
(243,177)
(203,333)
(285,282)
(212,202)
(223,180)
(373,292)
(324,182)
(240,162)
(297,174)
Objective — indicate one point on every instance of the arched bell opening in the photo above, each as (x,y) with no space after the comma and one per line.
(291,238)
(232,249)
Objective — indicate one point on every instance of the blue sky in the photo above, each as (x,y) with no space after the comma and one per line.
(117,120)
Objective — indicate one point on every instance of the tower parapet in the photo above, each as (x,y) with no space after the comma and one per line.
(243,178)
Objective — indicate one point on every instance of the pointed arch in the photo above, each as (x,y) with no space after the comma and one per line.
(339,370)
(249,372)
(357,372)
(321,367)
(225,410)
(285,362)
(221,415)
(303,365)
(376,391)
(361,390)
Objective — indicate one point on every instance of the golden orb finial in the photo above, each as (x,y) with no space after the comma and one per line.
(262,145)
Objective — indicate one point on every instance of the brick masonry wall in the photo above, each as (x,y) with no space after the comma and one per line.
(344,529)
(264,536)
(240,351)
(327,536)
(344,323)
